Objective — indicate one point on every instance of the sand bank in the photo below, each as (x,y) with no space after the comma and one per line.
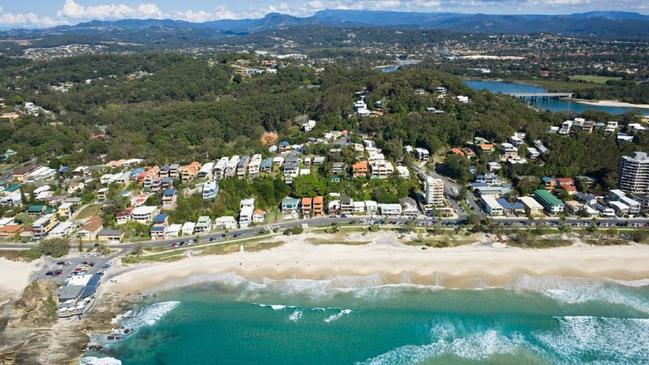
(611,103)
(478,265)
(14,275)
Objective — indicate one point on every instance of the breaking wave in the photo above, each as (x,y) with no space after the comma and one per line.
(92,360)
(574,291)
(337,316)
(295,316)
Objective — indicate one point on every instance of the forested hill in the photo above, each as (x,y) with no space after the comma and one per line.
(177,108)
(610,25)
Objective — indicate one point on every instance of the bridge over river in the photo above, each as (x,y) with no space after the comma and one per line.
(540,95)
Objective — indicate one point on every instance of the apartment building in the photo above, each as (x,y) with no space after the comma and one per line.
(210,190)
(219,168)
(381,169)
(360,169)
(43,225)
(231,167)
(254,166)
(634,173)
(242,167)
(434,191)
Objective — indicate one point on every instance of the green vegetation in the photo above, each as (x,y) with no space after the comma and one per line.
(89,211)
(593,78)
(526,239)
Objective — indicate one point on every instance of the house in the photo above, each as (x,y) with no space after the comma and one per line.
(188,172)
(457,151)
(203,224)
(550,203)
(549,182)
(242,167)
(258,216)
(491,206)
(532,207)
(187,228)
(462,99)
(309,125)
(346,205)
(358,207)
(381,169)
(390,210)
(266,165)
(371,207)
(206,171)
(158,231)
(65,210)
(20,174)
(124,216)
(494,166)
(359,169)
(110,235)
(511,207)
(533,153)
(422,154)
(508,152)
(306,207)
(567,184)
(173,230)
(220,167)
(403,172)
(43,225)
(63,229)
(318,206)
(246,209)
(488,178)
(169,198)
(291,167)
(90,228)
(290,205)
(254,166)
(36,210)
(225,222)
(11,230)
(486,147)
(231,167)
(144,214)
(75,186)
(338,168)
(161,219)
(409,207)
(210,190)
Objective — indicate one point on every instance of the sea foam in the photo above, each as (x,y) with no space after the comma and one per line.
(92,360)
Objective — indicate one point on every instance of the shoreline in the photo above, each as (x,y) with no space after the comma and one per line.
(609,103)
(385,262)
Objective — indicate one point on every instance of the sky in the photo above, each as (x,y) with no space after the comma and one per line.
(46,13)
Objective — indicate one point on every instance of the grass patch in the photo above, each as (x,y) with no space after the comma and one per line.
(334,241)
(169,256)
(593,79)
(526,240)
(563,86)
(261,246)
(20,255)
(89,211)
(606,241)
(438,242)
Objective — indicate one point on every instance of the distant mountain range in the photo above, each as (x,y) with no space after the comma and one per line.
(603,24)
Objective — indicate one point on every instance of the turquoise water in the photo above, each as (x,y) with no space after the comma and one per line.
(554,105)
(361,321)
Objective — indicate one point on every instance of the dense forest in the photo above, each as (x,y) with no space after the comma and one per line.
(176,108)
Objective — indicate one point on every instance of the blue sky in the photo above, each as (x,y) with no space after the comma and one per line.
(39,13)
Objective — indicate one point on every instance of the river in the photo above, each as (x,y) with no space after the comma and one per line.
(554,105)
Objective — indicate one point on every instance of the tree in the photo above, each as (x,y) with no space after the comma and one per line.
(56,247)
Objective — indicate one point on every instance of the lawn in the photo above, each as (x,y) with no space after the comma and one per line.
(89,211)
(593,79)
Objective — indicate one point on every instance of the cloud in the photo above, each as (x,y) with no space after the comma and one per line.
(26,19)
(73,10)
(198,16)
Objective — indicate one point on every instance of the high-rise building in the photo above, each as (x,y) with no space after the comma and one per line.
(434,190)
(634,173)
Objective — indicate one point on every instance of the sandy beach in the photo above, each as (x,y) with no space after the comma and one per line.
(14,275)
(478,265)
(610,103)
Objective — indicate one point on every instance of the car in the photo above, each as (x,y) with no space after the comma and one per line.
(91,263)
(57,272)
(49,273)
(106,265)
(61,263)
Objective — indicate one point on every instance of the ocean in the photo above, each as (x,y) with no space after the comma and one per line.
(363,320)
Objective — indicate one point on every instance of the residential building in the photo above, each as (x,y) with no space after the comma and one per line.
(90,229)
(567,184)
(124,216)
(258,216)
(210,190)
(390,210)
(246,209)
(620,208)
(409,207)
(206,171)
(491,206)
(338,168)
(511,207)
(318,206)
(169,198)
(43,225)
(63,229)
(634,173)
(551,203)
(254,166)
(635,207)
(220,167)
(231,167)
(203,224)
(11,230)
(174,171)
(225,222)
(173,230)
(360,169)
(110,235)
(488,178)
(242,167)
(65,210)
(381,169)
(290,205)
(422,154)
(403,172)
(291,167)
(187,228)
(532,207)
(307,207)
(434,191)
(266,165)
(346,205)
(144,214)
